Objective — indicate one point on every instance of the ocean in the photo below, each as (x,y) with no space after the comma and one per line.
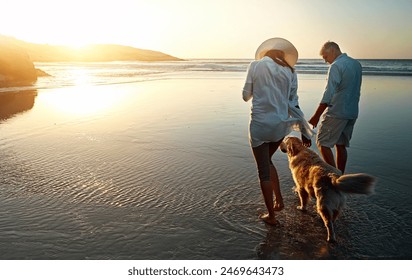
(150,160)
(100,73)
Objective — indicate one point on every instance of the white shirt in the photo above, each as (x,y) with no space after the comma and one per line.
(274,90)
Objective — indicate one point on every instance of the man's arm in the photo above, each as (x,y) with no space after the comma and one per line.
(334,79)
(315,118)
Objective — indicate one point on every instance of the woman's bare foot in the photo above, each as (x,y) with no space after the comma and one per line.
(267,219)
(278,206)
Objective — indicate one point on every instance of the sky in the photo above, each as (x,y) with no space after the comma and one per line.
(216,28)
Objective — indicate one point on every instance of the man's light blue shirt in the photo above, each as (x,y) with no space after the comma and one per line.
(342,92)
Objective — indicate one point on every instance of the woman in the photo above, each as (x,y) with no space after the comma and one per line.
(271,83)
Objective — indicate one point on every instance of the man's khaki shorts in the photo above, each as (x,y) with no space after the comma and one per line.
(334,131)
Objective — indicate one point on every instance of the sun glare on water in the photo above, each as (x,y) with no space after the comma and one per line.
(81,100)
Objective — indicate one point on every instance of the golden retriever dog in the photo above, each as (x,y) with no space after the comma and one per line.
(315,178)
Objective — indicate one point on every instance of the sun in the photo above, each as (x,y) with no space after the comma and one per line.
(78,46)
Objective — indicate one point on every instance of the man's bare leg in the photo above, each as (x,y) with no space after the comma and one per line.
(327,155)
(341,157)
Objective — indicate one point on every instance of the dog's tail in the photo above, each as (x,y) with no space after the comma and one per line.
(360,183)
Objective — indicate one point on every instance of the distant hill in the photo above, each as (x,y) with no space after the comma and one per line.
(16,68)
(17,57)
(95,53)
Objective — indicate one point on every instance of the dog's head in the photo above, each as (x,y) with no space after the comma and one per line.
(292,146)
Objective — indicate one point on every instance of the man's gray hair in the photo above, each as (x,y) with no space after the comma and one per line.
(329,45)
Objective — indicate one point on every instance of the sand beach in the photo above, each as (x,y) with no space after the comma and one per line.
(162,169)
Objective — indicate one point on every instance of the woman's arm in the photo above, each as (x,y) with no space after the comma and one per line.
(248,87)
(247,91)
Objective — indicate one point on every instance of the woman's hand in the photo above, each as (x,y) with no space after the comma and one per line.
(306,142)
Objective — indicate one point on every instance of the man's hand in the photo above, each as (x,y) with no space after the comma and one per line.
(315,118)
(314,121)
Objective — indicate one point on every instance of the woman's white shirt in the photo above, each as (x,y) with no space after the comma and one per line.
(273,89)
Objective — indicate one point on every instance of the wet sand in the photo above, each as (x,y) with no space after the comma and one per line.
(163,170)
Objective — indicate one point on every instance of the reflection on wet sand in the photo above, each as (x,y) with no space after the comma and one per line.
(13,103)
(163,170)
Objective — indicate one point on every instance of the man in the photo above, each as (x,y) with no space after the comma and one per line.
(339,105)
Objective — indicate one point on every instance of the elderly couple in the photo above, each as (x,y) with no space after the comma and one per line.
(271,83)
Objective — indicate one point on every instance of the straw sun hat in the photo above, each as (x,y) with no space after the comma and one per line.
(291,53)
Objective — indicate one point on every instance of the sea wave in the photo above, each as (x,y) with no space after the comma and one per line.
(370,67)
(66,74)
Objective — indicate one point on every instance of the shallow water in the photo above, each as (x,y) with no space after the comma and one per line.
(163,170)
